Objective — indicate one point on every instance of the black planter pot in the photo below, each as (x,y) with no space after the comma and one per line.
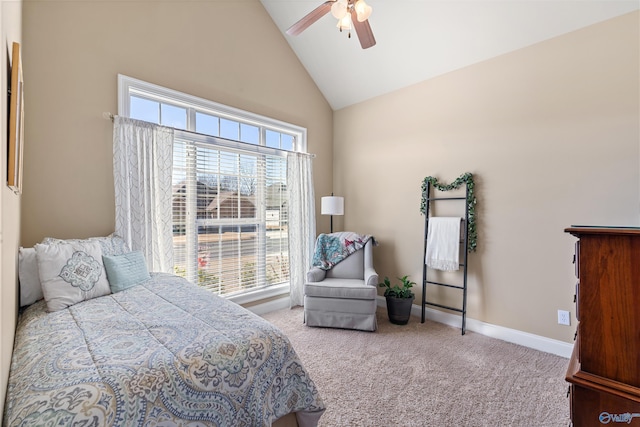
(399,309)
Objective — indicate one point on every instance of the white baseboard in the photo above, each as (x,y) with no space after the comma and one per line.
(526,339)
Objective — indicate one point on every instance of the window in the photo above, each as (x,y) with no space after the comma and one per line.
(229,189)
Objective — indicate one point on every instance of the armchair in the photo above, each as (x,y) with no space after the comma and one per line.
(345,295)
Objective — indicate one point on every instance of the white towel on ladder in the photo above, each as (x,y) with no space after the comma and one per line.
(443,243)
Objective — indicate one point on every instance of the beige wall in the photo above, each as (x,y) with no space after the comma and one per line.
(226,51)
(551,133)
(10,31)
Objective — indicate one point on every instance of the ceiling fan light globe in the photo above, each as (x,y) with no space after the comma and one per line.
(363,10)
(345,23)
(339,9)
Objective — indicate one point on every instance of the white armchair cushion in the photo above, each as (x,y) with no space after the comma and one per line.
(340,288)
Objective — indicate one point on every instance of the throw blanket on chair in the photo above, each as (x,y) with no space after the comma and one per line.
(333,248)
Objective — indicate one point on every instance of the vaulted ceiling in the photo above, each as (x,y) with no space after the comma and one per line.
(420,39)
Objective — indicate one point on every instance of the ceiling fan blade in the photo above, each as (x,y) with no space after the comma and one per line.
(363,30)
(310,18)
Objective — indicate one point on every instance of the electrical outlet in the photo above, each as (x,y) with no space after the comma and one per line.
(564,318)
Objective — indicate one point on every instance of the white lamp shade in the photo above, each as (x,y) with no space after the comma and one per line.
(332,205)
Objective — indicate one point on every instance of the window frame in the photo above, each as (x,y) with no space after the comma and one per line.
(128,86)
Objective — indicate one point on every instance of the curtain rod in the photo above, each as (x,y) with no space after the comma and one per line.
(109,116)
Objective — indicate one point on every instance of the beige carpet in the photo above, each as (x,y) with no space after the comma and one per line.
(427,375)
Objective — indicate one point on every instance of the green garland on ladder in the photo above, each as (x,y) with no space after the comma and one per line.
(471,203)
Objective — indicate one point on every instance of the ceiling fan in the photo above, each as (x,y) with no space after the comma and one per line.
(348,12)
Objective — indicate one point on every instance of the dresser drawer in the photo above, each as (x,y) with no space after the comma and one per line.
(596,408)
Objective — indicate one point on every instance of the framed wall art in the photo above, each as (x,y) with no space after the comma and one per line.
(16,123)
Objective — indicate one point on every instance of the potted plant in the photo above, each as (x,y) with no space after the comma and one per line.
(399,299)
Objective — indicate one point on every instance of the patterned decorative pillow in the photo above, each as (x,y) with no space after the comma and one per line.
(110,245)
(71,273)
(126,270)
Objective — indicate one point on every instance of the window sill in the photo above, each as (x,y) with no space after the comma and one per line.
(260,294)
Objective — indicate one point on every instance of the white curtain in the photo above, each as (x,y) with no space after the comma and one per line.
(302,222)
(142,167)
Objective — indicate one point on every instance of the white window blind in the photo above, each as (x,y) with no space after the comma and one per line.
(229,188)
(230,218)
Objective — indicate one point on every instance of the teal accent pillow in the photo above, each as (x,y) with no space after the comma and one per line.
(126,270)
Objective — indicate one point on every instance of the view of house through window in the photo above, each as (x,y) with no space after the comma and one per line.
(229,191)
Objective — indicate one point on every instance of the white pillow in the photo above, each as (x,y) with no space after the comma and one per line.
(30,287)
(111,244)
(71,273)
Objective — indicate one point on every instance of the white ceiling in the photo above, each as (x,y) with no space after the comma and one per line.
(421,39)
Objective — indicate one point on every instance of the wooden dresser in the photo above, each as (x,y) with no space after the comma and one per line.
(604,370)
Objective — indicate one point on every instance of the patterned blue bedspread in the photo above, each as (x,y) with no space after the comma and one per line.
(162,353)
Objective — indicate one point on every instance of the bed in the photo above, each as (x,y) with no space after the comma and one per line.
(161,352)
